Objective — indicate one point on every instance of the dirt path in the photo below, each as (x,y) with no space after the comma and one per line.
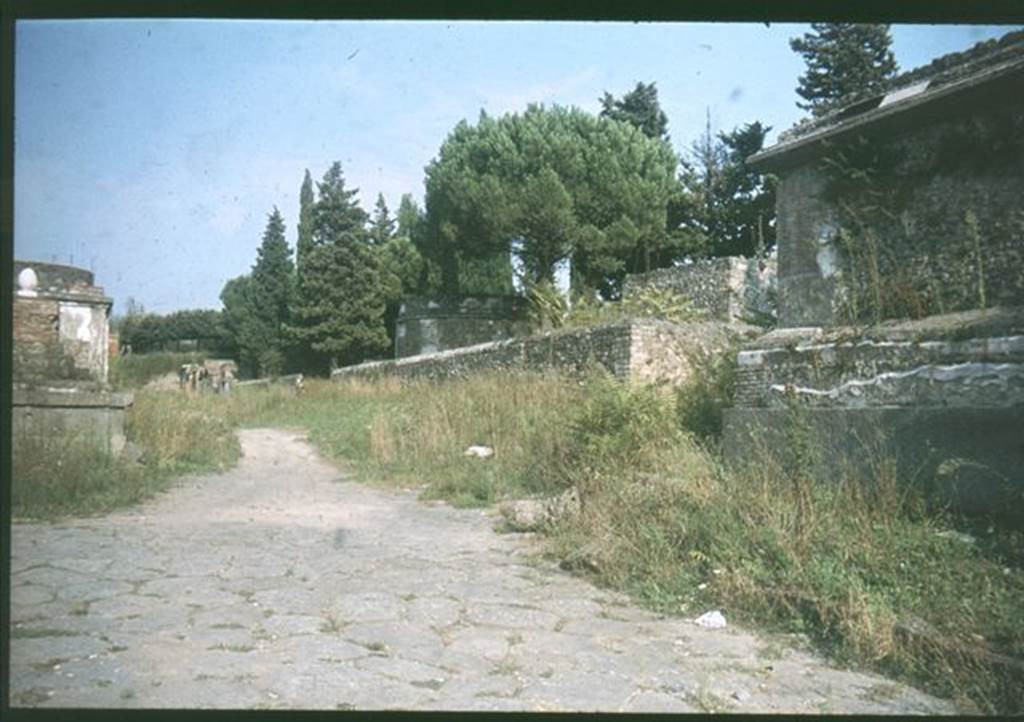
(281,585)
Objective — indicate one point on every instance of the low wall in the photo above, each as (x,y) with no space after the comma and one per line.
(969,456)
(71,412)
(727,289)
(430,325)
(638,350)
(944,396)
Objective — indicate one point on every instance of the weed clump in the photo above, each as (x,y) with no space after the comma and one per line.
(58,475)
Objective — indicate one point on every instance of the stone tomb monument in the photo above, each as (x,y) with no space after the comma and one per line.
(428,325)
(901,283)
(61,352)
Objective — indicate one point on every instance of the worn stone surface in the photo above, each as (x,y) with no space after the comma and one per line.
(283,585)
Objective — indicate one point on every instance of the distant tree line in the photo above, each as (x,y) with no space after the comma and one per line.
(146,332)
(508,201)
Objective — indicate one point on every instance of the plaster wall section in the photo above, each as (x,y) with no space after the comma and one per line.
(808,257)
(84,335)
(943,397)
(71,414)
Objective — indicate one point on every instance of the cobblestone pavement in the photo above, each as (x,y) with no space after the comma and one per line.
(280,584)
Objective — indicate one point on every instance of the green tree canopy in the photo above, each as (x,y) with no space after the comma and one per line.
(725,208)
(242,323)
(146,332)
(409,215)
(337,318)
(549,183)
(271,289)
(640,108)
(842,58)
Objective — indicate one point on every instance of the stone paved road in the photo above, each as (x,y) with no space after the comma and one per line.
(281,584)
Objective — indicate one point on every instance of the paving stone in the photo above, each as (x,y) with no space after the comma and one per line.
(365,607)
(27,595)
(511,616)
(287,625)
(273,586)
(435,612)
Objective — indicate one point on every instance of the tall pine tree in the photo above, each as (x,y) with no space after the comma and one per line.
(638,107)
(842,58)
(409,216)
(305,240)
(382,226)
(271,288)
(725,208)
(338,316)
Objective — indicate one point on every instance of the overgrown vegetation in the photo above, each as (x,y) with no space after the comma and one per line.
(550,309)
(844,563)
(847,564)
(57,474)
(136,370)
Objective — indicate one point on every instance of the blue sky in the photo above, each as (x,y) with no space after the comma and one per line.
(152,151)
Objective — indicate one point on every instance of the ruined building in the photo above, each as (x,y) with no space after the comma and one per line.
(61,356)
(901,280)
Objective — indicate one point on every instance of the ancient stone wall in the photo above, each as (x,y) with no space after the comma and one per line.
(939,227)
(640,350)
(942,396)
(71,413)
(727,289)
(430,325)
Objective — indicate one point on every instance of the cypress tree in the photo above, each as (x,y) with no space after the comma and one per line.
(306,201)
(338,315)
(382,227)
(842,58)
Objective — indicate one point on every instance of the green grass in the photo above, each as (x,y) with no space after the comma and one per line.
(841,563)
(662,517)
(60,476)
